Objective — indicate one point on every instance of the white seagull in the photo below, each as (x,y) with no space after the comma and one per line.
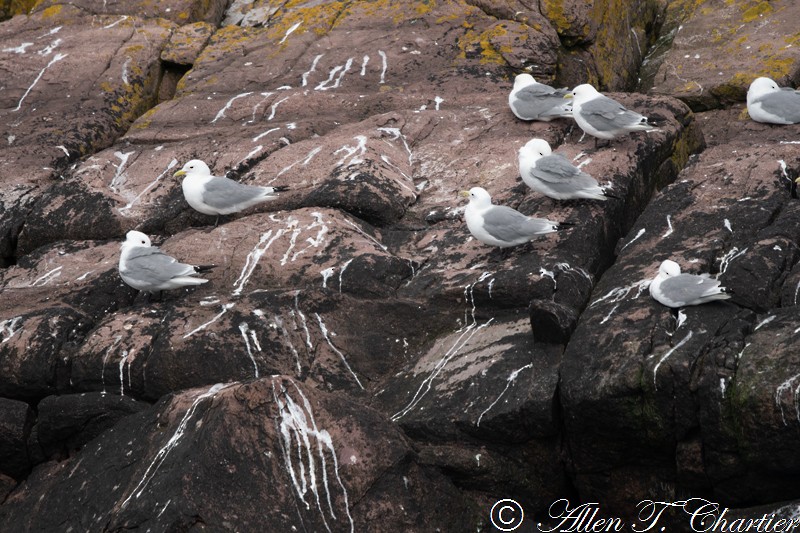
(602,117)
(218,195)
(146,268)
(766,102)
(554,176)
(531,100)
(499,225)
(673,289)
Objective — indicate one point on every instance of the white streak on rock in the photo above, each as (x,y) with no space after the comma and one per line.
(245,330)
(310,70)
(300,314)
(765,322)
(201,327)
(727,224)
(221,112)
(303,162)
(127,207)
(47,277)
(274,107)
(8,328)
(326,274)
(173,441)
(732,254)
(384,66)
(289,31)
(619,293)
(56,59)
(638,234)
(264,134)
(365,234)
(266,96)
(669,228)
(794,394)
(341,271)
(18,49)
(509,380)
(119,176)
(303,441)
(264,242)
(437,100)
(324,331)
(124,17)
(353,152)
(364,62)
(666,356)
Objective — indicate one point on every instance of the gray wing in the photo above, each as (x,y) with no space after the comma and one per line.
(152,266)
(689,287)
(537,91)
(556,168)
(605,114)
(784,104)
(539,100)
(223,193)
(509,225)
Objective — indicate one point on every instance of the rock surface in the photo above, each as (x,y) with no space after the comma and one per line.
(357,362)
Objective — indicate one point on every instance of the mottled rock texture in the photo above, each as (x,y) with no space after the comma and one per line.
(357,362)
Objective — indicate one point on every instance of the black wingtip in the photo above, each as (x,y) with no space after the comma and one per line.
(204,268)
(565,224)
(793,189)
(609,195)
(280,188)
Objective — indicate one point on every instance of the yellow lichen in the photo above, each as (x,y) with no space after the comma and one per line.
(756,11)
(51,11)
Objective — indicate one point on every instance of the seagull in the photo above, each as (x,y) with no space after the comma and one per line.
(531,100)
(602,117)
(146,268)
(499,225)
(554,176)
(766,102)
(673,289)
(218,195)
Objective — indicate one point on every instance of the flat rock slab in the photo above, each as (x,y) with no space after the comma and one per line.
(721,47)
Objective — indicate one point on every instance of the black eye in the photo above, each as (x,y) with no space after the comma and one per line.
(143,242)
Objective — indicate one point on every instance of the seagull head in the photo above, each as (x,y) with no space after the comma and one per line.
(582,93)
(478,197)
(535,149)
(761,86)
(195,166)
(669,269)
(523,80)
(134,239)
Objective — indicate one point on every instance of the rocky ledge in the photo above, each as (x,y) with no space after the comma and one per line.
(357,361)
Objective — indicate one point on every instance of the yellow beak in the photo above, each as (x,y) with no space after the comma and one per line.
(179,173)
(568,95)
(465,194)
(797,181)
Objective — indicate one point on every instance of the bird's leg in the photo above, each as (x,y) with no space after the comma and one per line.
(216,222)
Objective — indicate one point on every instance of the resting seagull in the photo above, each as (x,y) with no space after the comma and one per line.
(218,195)
(673,289)
(146,268)
(531,100)
(554,176)
(499,225)
(602,117)
(766,102)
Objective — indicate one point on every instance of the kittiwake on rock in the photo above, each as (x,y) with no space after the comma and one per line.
(673,289)
(766,102)
(554,176)
(531,100)
(602,117)
(146,268)
(499,225)
(218,195)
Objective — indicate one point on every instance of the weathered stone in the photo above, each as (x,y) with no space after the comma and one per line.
(187,42)
(720,47)
(343,460)
(16,419)
(66,423)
